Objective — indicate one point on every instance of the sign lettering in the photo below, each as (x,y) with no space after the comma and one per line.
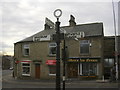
(75,35)
(42,38)
(83,60)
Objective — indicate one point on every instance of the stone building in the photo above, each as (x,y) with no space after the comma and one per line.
(109,54)
(7,62)
(35,56)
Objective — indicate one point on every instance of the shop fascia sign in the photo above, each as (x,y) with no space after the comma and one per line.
(42,38)
(83,60)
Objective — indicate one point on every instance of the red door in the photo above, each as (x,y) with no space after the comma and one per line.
(37,71)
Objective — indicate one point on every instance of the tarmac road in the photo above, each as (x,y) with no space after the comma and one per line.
(9,83)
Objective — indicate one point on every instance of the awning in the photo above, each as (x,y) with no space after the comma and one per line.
(51,62)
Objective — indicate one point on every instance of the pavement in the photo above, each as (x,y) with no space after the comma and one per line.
(11,79)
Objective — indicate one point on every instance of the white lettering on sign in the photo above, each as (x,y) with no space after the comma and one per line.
(42,38)
(75,35)
(67,35)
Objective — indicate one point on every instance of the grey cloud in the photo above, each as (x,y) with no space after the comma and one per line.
(22,19)
(4,45)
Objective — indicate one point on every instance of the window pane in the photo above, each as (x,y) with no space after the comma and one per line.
(85,69)
(26,51)
(25,64)
(52,69)
(53,44)
(89,69)
(84,47)
(109,62)
(52,48)
(106,62)
(26,70)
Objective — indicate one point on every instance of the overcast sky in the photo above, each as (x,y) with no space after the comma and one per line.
(23,18)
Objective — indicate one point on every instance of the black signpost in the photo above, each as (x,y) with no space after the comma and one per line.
(57,14)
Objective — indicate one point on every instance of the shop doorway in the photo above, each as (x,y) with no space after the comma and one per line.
(72,70)
(37,71)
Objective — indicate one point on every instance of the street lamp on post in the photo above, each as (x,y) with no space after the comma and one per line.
(57,14)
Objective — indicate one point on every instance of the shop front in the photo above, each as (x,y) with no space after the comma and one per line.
(82,67)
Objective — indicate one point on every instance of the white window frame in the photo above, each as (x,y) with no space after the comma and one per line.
(26,66)
(84,43)
(26,46)
(50,46)
(81,70)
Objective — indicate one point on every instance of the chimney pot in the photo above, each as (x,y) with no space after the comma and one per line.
(72,21)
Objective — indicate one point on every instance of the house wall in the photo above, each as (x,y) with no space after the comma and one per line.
(109,45)
(40,51)
(96,50)
(5,63)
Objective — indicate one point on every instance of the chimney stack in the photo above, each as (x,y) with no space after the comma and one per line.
(72,21)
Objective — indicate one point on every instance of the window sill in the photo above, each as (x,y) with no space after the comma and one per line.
(25,74)
(52,55)
(88,76)
(85,54)
(26,55)
(52,74)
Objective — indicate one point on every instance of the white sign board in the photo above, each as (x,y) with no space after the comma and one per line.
(75,35)
(49,22)
(42,38)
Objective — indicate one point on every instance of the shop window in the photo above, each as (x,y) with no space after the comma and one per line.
(26,50)
(26,69)
(88,69)
(108,62)
(52,70)
(52,49)
(84,47)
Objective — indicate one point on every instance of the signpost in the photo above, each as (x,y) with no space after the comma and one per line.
(57,37)
(57,14)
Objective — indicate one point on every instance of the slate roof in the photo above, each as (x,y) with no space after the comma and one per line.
(90,29)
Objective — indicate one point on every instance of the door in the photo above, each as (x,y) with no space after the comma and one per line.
(72,70)
(37,71)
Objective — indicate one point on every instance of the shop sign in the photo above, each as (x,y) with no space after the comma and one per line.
(42,38)
(83,60)
(51,62)
(88,60)
(73,60)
